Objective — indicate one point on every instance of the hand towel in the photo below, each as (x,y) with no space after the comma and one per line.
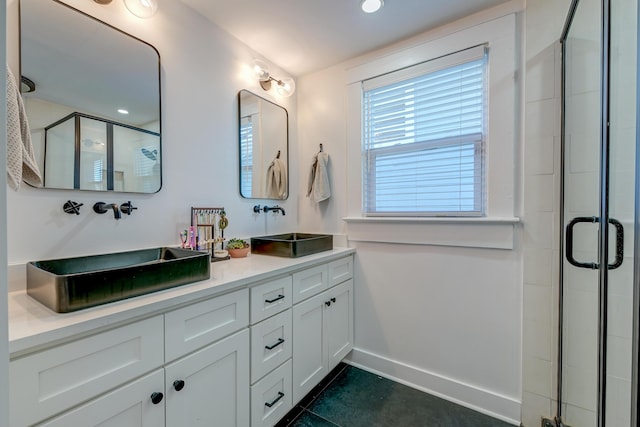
(21,161)
(318,188)
(277,180)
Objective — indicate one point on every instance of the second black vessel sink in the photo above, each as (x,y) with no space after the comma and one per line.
(291,245)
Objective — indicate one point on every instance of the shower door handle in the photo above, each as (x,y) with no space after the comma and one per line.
(594,220)
(569,241)
(619,244)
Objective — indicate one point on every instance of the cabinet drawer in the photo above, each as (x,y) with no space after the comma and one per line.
(49,382)
(340,270)
(192,327)
(309,282)
(271,397)
(270,344)
(270,298)
(127,406)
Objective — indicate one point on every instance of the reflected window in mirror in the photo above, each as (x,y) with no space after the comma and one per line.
(263,148)
(95,111)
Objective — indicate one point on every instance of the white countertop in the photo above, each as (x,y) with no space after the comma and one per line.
(33,326)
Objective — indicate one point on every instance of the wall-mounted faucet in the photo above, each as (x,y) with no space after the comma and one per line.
(127,208)
(101,208)
(275,208)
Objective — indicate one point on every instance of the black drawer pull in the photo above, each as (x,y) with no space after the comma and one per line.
(280,396)
(327,303)
(271,347)
(271,301)
(333,300)
(178,385)
(156,397)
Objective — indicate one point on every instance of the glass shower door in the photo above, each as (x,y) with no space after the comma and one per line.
(622,171)
(598,188)
(581,180)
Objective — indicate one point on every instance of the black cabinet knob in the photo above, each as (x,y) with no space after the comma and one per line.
(327,303)
(156,397)
(333,300)
(178,385)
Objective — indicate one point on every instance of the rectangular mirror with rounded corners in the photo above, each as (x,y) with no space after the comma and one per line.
(92,96)
(264,144)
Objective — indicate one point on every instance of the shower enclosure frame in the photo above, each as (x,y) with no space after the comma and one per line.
(603,220)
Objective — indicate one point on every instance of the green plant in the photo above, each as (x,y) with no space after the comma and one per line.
(237,244)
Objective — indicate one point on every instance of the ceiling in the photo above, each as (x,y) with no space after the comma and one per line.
(302,36)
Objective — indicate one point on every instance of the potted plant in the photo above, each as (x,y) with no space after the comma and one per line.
(237,248)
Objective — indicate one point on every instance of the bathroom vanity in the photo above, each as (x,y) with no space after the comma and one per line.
(238,349)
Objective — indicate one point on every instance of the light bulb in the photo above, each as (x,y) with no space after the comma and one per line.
(260,69)
(370,6)
(142,8)
(286,86)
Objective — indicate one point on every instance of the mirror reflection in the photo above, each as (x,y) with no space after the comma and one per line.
(95,111)
(264,138)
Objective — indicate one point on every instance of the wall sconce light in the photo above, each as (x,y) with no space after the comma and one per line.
(284,86)
(142,8)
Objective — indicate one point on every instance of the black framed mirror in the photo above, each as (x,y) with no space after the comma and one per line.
(263,147)
(94,110)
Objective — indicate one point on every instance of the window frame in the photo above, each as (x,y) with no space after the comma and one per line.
(424,143)
(503,138)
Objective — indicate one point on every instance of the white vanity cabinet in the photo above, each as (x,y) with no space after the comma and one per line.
(238,358)
(209,370)
(323,328)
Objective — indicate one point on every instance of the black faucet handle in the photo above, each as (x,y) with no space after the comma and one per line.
(127,208)
(72,207)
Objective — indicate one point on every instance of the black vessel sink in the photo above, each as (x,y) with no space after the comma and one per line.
(71,284)
(291,245)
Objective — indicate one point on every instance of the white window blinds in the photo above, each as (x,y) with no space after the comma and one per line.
(246,153)
(423,145)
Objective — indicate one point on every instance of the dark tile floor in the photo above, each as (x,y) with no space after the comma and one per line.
(352,397)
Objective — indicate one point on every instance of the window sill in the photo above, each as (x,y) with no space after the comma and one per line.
(491,233)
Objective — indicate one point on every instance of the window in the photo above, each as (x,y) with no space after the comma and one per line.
(246,152)
(423,138)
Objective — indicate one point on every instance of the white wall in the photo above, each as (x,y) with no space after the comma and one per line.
(203,68)
(444,319)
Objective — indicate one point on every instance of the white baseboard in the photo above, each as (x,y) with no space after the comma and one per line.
(492,404)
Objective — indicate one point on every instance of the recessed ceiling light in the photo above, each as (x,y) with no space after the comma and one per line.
(122,111)
(370,6)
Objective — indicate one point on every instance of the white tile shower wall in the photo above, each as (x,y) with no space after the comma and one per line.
(544,22)
(203,68)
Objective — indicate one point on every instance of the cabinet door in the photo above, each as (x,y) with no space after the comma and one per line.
(211,386)
(127,406)
(339,322)
(309,347)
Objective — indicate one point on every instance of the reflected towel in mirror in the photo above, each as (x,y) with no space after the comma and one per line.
(277,180)
(21,161)
(319,188)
